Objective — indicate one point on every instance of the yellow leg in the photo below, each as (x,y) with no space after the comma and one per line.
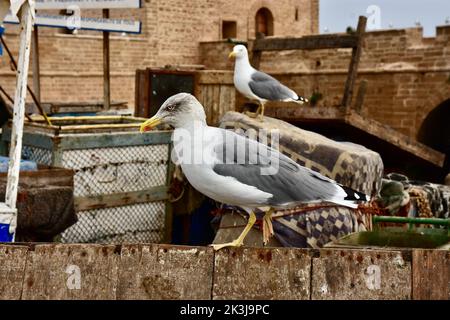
(240,240)
(267,226)
(261,115)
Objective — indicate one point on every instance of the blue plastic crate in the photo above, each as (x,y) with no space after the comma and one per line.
(5,236)
(25,165)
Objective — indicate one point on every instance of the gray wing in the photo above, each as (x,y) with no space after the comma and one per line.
(291,183)
(269,88)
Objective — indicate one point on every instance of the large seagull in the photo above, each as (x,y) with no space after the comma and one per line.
(238,171)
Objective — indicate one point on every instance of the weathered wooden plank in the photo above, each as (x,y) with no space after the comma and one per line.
(205,93)
(223,97)
(324,41)
(44,176)
(168,219)
(121,199)
(38,127)
(215,77)
(198,91)
(12,267)
(233,98)
(165,272)
(255,273)
(359,101)
(216,104)
(217,100)
(97,127)
(66,271)
(395,138)
(113,140)
(73,271)
(431,274)
(291,113)
(354,62)
(208,103)
(229,104)
(83,120)
(84,107)
(29,138)
(361,274)
(257,53)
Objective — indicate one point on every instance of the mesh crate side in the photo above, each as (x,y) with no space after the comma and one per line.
(120,169)
(142,222)
(39,155)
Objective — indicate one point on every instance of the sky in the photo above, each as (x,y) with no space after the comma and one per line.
(337,15)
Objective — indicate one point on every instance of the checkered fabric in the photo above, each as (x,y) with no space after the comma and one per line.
(315,227)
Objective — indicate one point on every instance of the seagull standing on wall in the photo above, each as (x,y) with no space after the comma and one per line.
(238,171)
(257,85)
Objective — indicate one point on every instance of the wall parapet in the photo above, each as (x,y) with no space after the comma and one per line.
(151,271)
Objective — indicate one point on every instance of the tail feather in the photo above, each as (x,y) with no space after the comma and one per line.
(351,198)
(296,98)
(299,99)
(354,195)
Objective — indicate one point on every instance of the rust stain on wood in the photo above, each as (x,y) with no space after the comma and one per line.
(12,266)
(431,275)
(53,272)
(165,272)
(255,273)
(137,271)
(356,274)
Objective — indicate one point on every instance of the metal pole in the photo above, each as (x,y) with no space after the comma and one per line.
(106,65)
(36,65)
(26,25)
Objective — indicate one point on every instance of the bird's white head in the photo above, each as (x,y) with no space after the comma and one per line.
(180,110)
(239,52)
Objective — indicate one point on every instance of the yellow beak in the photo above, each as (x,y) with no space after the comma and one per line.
(149,124)
(231,55)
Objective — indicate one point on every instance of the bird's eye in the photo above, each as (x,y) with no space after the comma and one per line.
(170,107)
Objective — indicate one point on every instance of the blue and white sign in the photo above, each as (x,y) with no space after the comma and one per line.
(83,23)
(87,4)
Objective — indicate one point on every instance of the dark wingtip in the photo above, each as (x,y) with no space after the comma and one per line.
(354,195)
(303,99)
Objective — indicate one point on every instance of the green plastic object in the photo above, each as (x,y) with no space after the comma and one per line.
(410,221)
(413,237)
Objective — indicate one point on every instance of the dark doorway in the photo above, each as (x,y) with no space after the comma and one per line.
(264,22)
(229,29)
(435,131)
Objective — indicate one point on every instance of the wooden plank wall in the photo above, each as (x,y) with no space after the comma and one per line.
(215,91)
(88,271)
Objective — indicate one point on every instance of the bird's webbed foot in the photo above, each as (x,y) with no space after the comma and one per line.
(267,226)
(240,240)
(235,243)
